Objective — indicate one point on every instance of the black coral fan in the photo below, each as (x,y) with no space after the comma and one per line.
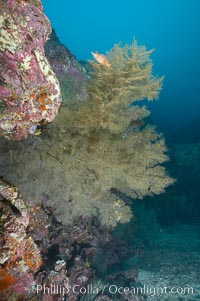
(110,145)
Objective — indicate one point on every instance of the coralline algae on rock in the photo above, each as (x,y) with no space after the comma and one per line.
(19,255)
(29,89)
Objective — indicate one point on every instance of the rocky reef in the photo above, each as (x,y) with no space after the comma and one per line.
(20,257)
(71,75)
(43,260)
(29,89)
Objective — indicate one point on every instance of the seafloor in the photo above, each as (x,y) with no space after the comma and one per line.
(172,261)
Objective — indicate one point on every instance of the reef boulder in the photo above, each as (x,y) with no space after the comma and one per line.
(71,74)
(29,89)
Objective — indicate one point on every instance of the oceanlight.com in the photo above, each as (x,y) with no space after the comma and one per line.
(112,289)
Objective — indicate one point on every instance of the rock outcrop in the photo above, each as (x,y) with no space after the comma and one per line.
(29,89)
(71,74)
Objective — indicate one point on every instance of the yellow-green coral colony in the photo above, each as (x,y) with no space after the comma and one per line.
(110,147)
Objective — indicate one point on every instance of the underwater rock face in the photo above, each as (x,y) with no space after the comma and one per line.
(19,255)
(72,76)
(29,89)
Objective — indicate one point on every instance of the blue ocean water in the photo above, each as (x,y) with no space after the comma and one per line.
(171,27)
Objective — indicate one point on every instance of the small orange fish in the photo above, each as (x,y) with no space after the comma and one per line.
(101,59)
